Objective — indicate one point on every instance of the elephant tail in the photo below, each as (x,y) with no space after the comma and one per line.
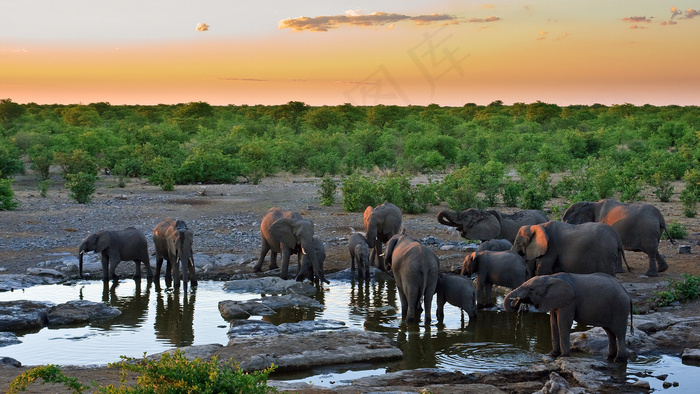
(665,230)
(631,317)
(622,254)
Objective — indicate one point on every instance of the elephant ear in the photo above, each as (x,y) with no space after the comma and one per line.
(472,263)
(390,246)
(367,215)
(537,244)
(486,226)
(558,293)
(103,241)
(284,230)
(580,212)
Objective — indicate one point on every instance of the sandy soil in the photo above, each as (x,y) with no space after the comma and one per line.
(44,226)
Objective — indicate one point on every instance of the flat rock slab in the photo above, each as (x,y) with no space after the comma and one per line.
(80,312)
(270,285)
(264,306)
(301,351)
(11,282)
(23,315)
(243,330)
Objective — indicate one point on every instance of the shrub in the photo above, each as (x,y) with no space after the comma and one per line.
(686,290)
(511,193)
(690,195)
(359,192)
(663,190)
(676,231)
(44,187)
(7,196)
(209,165)
(162,174)
(326,191)
(10,161)
(459,190)
(76,161)
(172,373)
(397,189)
(41,158)
(81,186)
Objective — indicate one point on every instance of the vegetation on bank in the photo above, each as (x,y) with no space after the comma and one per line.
(172,373)
(491,153)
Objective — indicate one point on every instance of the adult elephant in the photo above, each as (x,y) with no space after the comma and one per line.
(416,270)
(484,225)
(115,247)
(288,233)
(173,242)
(575,248)
(381,223)
(593,299)
(638,225)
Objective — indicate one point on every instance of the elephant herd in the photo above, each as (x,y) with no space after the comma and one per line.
(563,267)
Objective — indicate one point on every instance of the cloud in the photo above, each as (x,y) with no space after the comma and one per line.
(202,27)
(543,35)
(675,12)
(353,18)
(691,13)
(636,19)
(484,20)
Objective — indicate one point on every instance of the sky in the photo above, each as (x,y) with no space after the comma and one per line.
(392,52)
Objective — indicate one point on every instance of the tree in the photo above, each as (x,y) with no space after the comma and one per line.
(10,111)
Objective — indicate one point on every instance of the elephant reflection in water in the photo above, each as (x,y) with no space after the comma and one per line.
(134,308)
(174,317)
(419,348)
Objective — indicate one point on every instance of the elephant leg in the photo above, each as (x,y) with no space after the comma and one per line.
(137,269)
(487,290)
(168,274)
(554,325)
(440,312)
(193,276)
(112,270)
(565,319)
(185,275)
(661,262)
(264,248)
(378,254)
(149,270)
(273,260)
(352,265)
(176,271)
(159,264)
(427,303)
(404,304)
(612,344)
(652,271)
(105,267)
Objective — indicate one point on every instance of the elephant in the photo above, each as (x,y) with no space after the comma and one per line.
(503,268)
(381,223)
(307,270)
(593,299)
(458,291)
(173,242)
(485,225)
(495,245)
(415,269)
(288,233)
(575,248)
(115,247)
(359,250)
(639,226)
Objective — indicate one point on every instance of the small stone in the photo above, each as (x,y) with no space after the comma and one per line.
(667,385)
(662,376)
(641,384)
(684,249)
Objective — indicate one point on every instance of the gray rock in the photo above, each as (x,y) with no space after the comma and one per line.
(310,325)
(233,310)
(45,272)
(202,352)
(244,329)
(9,362)
(288,300)
(684,249)
(555,385)
(23,315)
(270,285)
(8,338)
(13,281)
(691,354)
(80,312)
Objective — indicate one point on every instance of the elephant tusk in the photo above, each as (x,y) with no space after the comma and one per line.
(303,251)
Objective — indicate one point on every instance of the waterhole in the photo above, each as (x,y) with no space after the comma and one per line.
(153,321)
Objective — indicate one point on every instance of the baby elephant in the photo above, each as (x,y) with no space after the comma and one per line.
(306,268)
(594,299)
(359,249)
(458,291)
(496,245)
(503,268)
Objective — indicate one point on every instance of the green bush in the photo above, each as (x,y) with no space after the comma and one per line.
(326,191)
(460,191)
(10,160)
(42,158)
(209,165)
(359,192)
(172,374)
(690,195)
(663,190)
(162,174)
(397,190)
(76,161)
(676,231)
(684,290)
(44,187)
(7,196)
(82,186)
(511,193)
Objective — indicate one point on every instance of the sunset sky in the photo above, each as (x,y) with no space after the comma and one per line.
(359,52)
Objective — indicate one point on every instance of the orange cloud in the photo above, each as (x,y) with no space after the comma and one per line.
(325,23)
(202,27)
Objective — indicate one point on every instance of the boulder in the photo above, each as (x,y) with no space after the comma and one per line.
(46,272)
(233,310)
(270,285)
(8,338)
(23,315)
(265,306)
(9,362)
(80,312)
(242,330)
(691,355)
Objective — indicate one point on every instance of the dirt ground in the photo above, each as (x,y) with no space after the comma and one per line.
(44,226)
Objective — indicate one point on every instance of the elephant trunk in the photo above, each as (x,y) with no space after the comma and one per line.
(444,217)
(513,300)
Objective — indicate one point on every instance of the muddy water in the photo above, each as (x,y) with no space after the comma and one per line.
(153,321)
